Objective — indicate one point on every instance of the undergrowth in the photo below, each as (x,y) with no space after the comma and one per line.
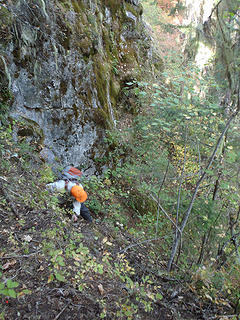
(44,257)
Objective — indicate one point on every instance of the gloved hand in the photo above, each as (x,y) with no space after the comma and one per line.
(74,218)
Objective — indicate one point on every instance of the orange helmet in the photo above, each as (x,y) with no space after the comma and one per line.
(79,194)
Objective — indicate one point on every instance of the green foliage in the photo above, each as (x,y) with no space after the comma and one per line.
(179,123)
(152,12)
(178,8)
(47,174)
(3,112)
(7,287)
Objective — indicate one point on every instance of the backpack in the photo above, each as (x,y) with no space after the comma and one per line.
(71,173)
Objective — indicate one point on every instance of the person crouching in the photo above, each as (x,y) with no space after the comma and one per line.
(78,195)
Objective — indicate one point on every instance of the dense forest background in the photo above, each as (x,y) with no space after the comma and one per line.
(166,200)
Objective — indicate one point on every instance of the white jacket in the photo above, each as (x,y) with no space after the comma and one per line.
(60,185)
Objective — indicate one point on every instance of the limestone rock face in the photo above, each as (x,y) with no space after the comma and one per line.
(65,62)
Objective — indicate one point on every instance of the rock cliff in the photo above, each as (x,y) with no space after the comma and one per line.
(65,63)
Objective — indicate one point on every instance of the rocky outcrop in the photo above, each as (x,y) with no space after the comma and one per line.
(65,63)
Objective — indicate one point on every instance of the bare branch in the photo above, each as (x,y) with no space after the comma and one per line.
(188,212)
(61,312)
(165,213)
(138,244)
(159,191)
(23,256)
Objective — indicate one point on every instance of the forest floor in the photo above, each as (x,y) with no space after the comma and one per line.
(54,269)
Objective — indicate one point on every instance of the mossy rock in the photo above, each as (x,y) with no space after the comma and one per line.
(115,88)
(129,55)
(6,20)
(78,6)
(29,128)
(85,45)
(135,10)
(101,118)
(114,5)
(106,40)
(101,70)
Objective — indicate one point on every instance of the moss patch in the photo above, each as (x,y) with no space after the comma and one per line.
(101,70)
(114,89)
(78,6)
(135,10)
(114,5)
(6,20)
(101,118)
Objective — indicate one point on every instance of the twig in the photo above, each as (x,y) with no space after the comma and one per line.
(158,197)
(179,196)
(216,7)
(223,317)
(189,210)
(199,158)
(138,244)
(61,312)
(23,256)
(3,179)
(163,210)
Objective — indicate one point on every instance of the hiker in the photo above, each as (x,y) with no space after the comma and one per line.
(69,182)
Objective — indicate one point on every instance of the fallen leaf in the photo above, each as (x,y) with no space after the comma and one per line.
(77,257)
(27,238)
(41,268)
(208,296)
(50,278)
(104,240)
(100,288)
(24,292)
(9,264)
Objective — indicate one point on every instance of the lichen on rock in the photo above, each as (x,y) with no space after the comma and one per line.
(67,61)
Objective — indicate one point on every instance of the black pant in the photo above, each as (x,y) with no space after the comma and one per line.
(66,203)
(85,213)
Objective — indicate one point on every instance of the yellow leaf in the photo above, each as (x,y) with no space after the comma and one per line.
(208,296)
(40,268)
(9,264)
(50,278)
(76,257)
(100,288)
(104,240)
(150,295)
(21,294)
